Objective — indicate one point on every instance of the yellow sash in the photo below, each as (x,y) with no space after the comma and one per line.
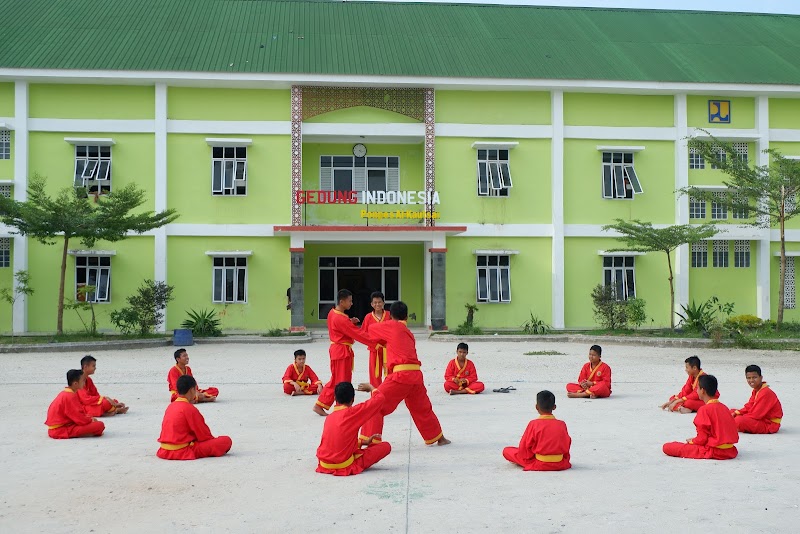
(724,446)
(176,446)
(346,463)
(405,367)
(550,458)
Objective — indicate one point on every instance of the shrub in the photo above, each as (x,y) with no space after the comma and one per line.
(145,309)
(698,317)
(744,322)
(637,314)
(274,332)
(203,323)
(534,325)
(608,311)
(465,329)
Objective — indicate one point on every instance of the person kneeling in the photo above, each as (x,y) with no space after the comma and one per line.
(340,451)
(66,417)
(184,433)
(716,429)
(545,444)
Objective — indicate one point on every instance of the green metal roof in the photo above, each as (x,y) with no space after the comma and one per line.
(399,39)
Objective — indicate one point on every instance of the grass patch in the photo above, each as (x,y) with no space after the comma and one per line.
(73,338)
(277,332)
(544,353)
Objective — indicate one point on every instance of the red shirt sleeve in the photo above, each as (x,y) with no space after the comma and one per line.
(584,374)
(88,395)
(703,425)
(450,372)
(312,375)
(73,410)
(471,374)
(172,379)
(197,423)
(764,404)
(605,375)
(289,374)
(527,444)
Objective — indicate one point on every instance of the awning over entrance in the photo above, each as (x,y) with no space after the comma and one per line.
(434,234)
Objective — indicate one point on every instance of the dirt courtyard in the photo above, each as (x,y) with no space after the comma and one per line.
(620,480)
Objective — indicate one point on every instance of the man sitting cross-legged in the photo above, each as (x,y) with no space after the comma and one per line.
(94,404)
(66,417)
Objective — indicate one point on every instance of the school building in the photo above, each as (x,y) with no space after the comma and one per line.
(443,154)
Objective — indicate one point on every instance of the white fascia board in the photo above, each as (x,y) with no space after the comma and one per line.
(91,252)
(792,157)
(6,181)
(711,187)
(619,253)
(91,125)
(730,135)
(491,252)
(229,127)
(5,125)
(491,131)
(220,230)
(229,253)
(621,148)
(786,135)
(100,141)
(494,145)
(789,253)
(621,133)
(320,129)
(228,142)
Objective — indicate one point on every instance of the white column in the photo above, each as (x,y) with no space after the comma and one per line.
(763,260)
(682,254)
(20,252)
(160,234)
(427,289)
(557,187)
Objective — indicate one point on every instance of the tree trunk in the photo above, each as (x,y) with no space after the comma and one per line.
(671,294)
(781,284)
(60,320)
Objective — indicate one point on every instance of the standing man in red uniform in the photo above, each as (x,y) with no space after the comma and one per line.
(404,381)
(66,417)
(377,355)
(342,332)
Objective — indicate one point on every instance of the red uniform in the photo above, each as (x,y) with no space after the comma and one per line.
(339,452)
(93,403)
(185,435)
(762,414)
(600,375)
(66,418)
(377,355)
(306,377)
(689,394)
(175,373)
(544,446)
(716,435)
(468,373)
(342,332)
(403,382)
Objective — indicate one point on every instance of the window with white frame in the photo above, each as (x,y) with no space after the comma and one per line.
(494,173)
(720,253)
(5,252)
(94,271)
(5,144)
(697,208)
(349,173)
(789,300)
(229,170)
(229,279)
(722,156)
(741,254)
(718,209)
(93,168)
(740,213)
(494,278)
(700,254)
(696,159)
(619,176)
(618,271)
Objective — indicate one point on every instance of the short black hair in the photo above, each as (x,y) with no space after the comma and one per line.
(87,360)
(299,352)
(693,361)
(178,353)
(73,375)
(342,295)
(708,383)
(345,393)
(546,401)
(598,349)
(463,346)
(399,311)
(185,383)
(752,369)
(377,295)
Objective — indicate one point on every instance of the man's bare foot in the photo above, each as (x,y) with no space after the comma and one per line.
(124,409)
(443,441)
(576,395)
(592,396)
(684,410)
(317,409)
(293,393)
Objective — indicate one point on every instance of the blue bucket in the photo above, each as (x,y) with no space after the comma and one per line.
(182,337)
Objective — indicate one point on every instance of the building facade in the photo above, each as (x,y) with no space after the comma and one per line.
(441,191)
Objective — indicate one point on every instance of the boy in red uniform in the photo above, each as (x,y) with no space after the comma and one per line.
(545,444)
(340,452)
(342,332)
(763,412)
(687,400)
(716,429)
(184,433)
(377,355)
(594,380)
(461,377)
(181,368)
(94,404)
(299,378)
(404,381)
(65,416)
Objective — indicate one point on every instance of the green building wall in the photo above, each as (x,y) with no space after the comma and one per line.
(68,101)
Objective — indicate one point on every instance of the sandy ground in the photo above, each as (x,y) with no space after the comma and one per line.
(620,482)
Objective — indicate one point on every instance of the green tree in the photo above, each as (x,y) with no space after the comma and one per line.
(21,286)
(766,193)
(638,236)
(69,215)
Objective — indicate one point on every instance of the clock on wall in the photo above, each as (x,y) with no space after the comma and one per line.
(359,150)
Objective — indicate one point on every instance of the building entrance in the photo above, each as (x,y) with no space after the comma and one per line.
(362,276)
